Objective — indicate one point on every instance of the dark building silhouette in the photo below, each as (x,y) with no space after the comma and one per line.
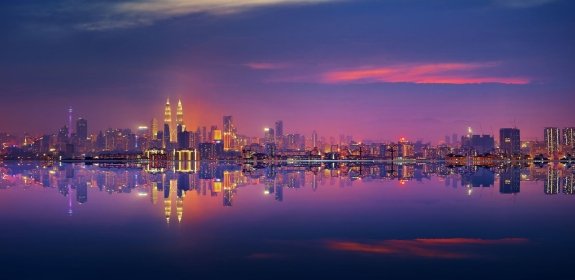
(510,141)
(82,129)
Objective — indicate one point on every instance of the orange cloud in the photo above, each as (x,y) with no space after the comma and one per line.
(438,73)
(429,248)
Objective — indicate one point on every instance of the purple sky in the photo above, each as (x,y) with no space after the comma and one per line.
(372,69)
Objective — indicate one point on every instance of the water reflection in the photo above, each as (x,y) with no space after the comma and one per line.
(170,184)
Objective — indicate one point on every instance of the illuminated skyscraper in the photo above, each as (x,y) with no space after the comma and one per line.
(568,137)
(167,124)
(229,124)
(552,139)
(180,114)
(154,128)
(229,133)
(510,141)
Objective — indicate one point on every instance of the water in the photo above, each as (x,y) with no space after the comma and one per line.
(322,222)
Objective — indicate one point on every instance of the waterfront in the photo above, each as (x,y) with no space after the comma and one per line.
(338,221)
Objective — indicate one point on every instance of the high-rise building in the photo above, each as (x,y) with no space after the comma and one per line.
(229,133)
(510,141)
(180,114)
(269,135)
(454,139)
(479,144)
(82,129)
(552,139)
(314,139)
(154,127)
(228,124)
(279,129)
(69,122)
(568,137)
(167,124)
(183,138)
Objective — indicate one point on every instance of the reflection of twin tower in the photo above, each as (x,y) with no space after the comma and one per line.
(172,197)
(170,134)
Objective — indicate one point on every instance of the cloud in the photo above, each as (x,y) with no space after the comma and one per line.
(126,14)
(448,248)
(266,65)
(438,73)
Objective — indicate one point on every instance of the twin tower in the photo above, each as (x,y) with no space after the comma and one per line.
(168,127)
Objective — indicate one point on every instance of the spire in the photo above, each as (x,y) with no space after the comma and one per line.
(167,124)
(180,114)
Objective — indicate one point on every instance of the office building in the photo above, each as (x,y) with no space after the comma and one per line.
(510,141)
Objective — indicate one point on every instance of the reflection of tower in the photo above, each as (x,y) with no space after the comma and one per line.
(510,180)
(154,192)
(180,207)
(279,193)
(70,201)
(314,182)
(173,190)
(551,184)
(167,201)
(228,197)
(82,193)
(569,184)
(167,124)
(170,195)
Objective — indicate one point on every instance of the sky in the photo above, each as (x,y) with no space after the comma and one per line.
(379,70)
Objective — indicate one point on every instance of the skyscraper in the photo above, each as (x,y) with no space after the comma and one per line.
(69,122)
(510,141)
(314,139)
(552,139)
(228,124)
(279,129)
(180,114)
(154,128)
(569,137)
(82,129)
(269,135)
(229,133)
(167,124)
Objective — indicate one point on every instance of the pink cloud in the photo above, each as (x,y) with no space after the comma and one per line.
(449,248)
(266,65)
(437,73)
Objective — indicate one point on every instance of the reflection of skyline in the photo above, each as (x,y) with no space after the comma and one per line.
(170,186)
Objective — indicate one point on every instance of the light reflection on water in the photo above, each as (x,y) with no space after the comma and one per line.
(256,218)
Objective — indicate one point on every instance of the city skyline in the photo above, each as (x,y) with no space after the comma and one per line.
(296,139)
(362,75)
